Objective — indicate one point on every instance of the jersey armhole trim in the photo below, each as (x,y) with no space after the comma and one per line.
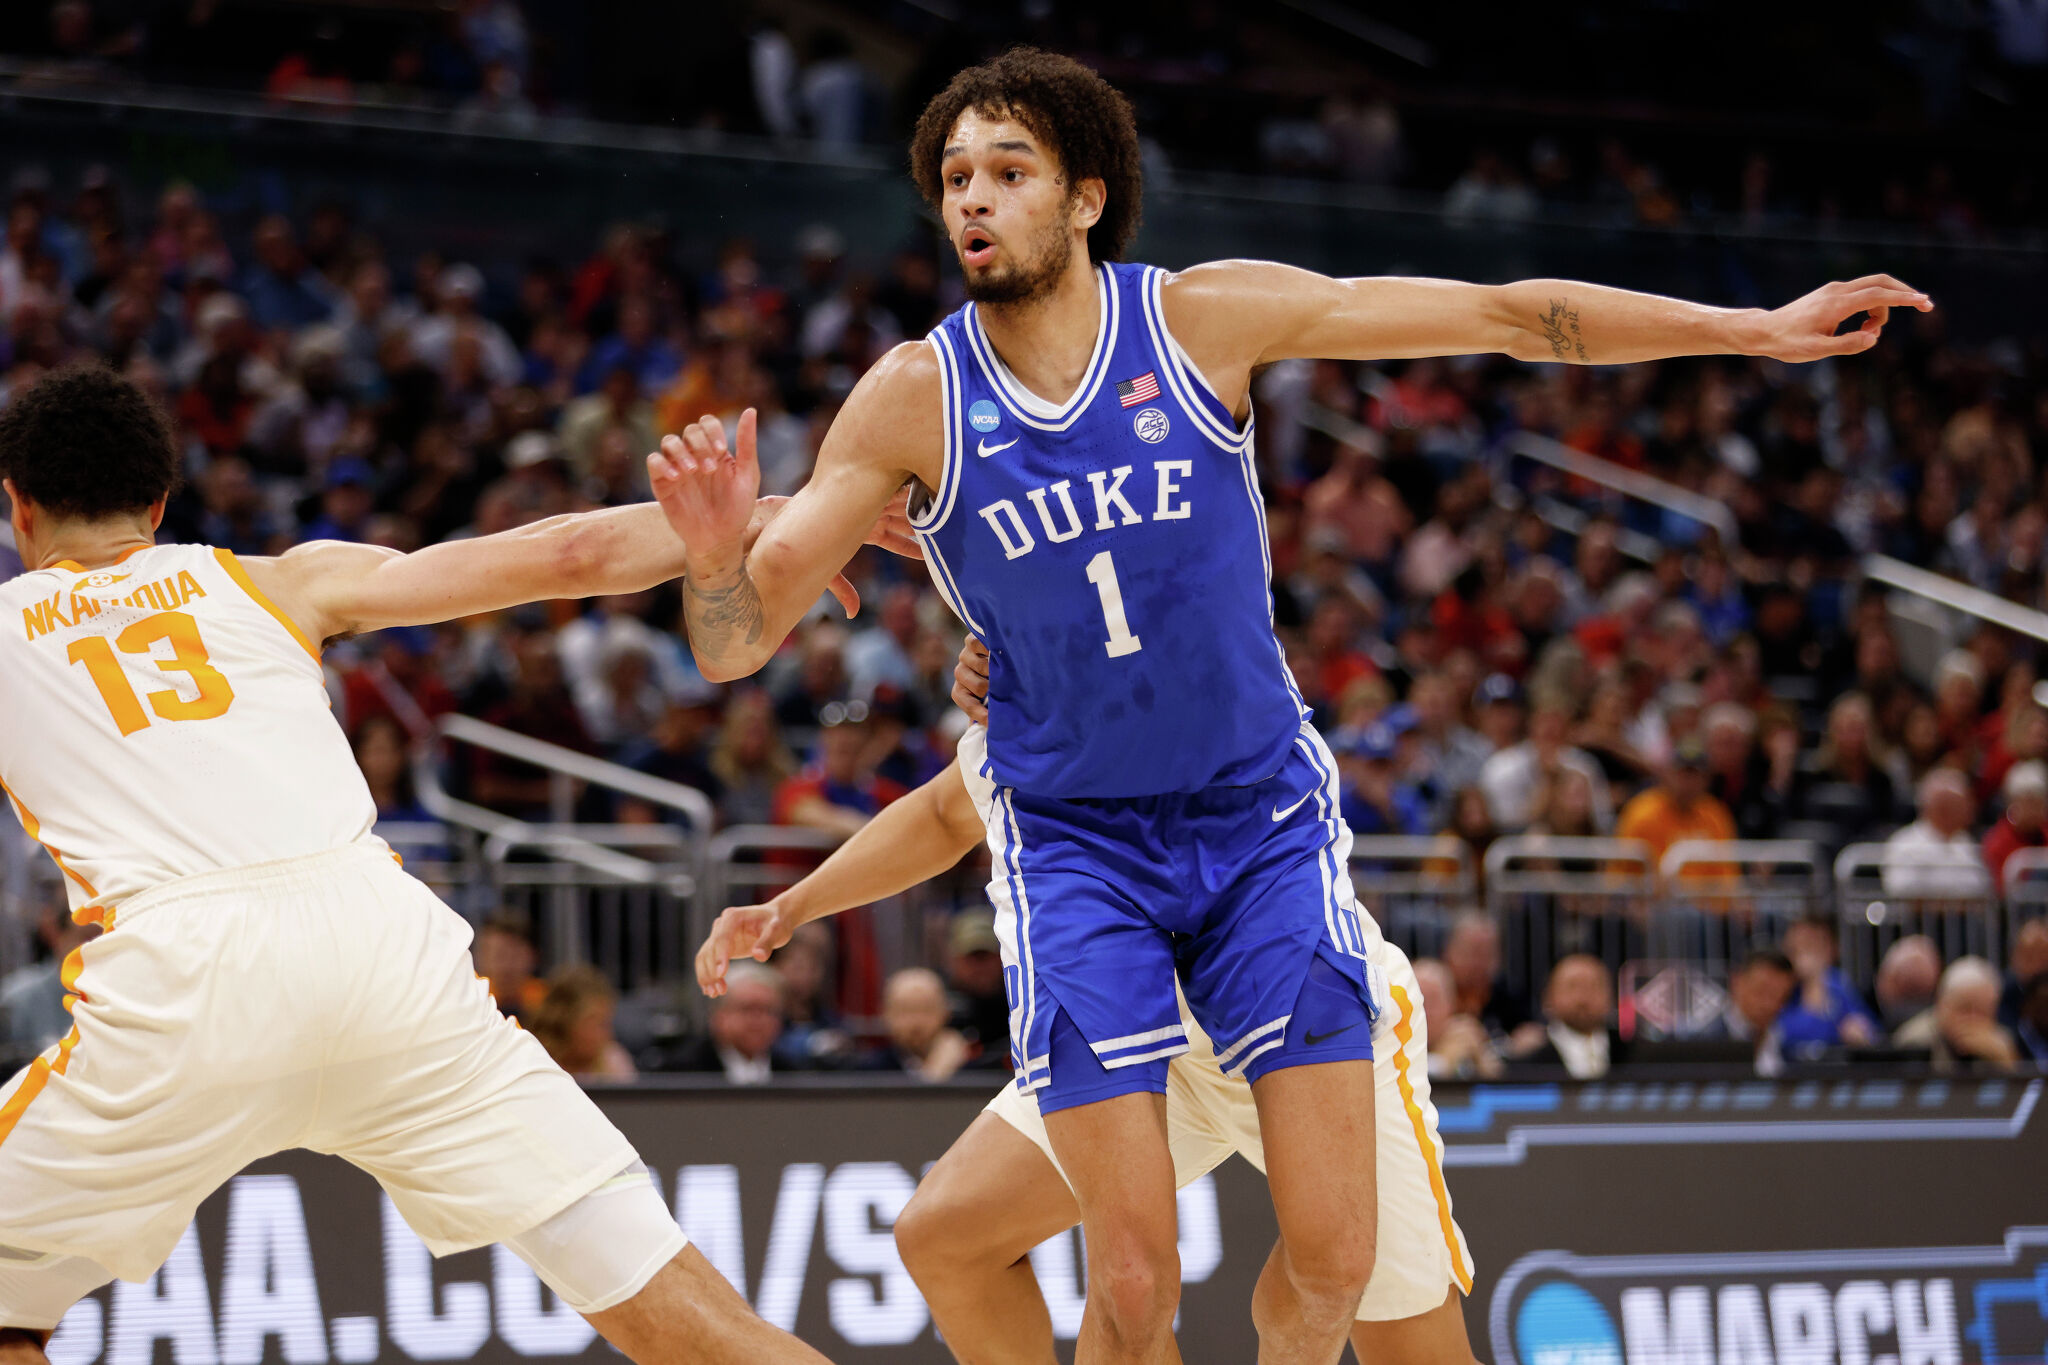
(940,509)
(1190,386)
(234,568)
(34,829)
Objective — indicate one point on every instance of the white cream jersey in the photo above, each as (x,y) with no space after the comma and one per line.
(165,719)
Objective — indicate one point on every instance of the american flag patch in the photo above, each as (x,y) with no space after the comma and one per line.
(1143,389)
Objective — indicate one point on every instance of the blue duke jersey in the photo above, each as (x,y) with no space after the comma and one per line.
(1111,553)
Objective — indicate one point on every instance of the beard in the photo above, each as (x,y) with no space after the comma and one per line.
(1025,281)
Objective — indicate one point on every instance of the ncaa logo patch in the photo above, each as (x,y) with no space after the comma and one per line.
(1151,426)
(983,416)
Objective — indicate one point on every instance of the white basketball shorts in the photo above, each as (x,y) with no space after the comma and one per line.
(325,1002)
(1421,1250)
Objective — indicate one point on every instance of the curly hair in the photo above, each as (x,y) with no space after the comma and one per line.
(85,443)
(1084,121)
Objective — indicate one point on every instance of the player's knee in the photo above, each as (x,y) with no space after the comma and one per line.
(1332,1276)
(927,1233)
(1137,1287)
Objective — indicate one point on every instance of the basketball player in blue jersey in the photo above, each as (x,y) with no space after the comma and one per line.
(1080,439)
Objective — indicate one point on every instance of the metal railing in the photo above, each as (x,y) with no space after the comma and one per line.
(1720,897)
(1552,897)
(1629,483)
(1413,886)
(1884,894)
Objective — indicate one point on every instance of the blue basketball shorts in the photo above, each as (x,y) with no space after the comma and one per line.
(1241,895)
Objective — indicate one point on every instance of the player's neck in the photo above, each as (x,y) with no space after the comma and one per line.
(97,545)
(1047,342)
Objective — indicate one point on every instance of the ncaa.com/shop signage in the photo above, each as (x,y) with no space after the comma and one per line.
(1867,1222)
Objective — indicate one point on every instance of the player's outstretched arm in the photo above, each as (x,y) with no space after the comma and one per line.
(741,603)
(1235,315)
(332,588)
(908,841)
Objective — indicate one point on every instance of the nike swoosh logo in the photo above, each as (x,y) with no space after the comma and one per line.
(984,449)
(1311,1039)
(1279,814)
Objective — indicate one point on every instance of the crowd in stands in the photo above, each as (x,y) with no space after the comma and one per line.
(1470,112)
(1479,671)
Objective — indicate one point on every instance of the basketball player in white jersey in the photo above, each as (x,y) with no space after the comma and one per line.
(1000,1190)
(268,977)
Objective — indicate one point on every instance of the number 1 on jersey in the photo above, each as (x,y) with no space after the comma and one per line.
(1102,573)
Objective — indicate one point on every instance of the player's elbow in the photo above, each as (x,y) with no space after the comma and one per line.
(578,557)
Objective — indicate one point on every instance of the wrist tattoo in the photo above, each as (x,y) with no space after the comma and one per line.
(717,613)
(1561,330)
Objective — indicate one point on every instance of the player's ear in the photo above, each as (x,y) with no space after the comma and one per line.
(156,512)
(1090,196)
(17,510)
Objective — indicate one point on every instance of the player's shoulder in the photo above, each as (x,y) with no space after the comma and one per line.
(1220,281)
(896,401)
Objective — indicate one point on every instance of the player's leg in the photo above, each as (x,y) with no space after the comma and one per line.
(689,1312)
(1318,1126)
(967,1233)
(1436,1337)
(1115,1153)
(1413,1310)
(478,1137)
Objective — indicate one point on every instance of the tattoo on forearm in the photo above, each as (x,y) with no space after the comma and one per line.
(1561,330)
(721,611)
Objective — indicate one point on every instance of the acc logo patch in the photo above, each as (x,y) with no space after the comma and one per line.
(1151,426)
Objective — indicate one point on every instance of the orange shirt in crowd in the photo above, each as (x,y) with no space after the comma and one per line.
(1656,819)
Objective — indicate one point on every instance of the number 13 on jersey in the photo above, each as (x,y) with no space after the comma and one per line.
(188,656)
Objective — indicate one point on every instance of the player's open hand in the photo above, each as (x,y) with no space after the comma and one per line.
(741,931)
(707,485)
(970,681)
(892,530)
(1804,329)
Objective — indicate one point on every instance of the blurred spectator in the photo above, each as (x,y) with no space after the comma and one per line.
(1845,781)
(750,760)
(282,290)
(922,1045)
(1759,990)
(746,1023)
(1752,782)
(880,654)
(1826,1012)
(33,1013)
(980,1010)
(1906,978)
(1472,955)
(840,791)
(1375,799)
(2026,810)
(505,959)
(458,290)
(2027,959)
(1459,1048)
(574,1023)
(1512,778)
(1679,807)
(1578,1032)
(1935,856)
(2030,1031)
(539,706)
(385,757)
(812,1032)
(1962,1032)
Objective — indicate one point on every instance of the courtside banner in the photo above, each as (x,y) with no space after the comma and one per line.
(1865,1221)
